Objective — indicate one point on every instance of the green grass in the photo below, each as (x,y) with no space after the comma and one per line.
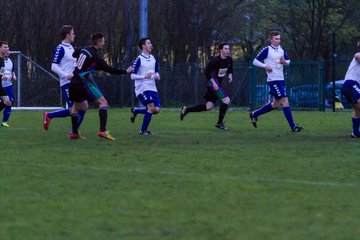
(188,181)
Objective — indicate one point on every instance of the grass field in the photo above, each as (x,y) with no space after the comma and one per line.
(188,181)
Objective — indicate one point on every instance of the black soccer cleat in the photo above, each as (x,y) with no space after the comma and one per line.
(183,113)
(133,115)
(146,132)
(297,128)
(221,126)
(253,120)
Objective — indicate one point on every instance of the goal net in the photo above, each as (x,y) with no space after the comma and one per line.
(35,88)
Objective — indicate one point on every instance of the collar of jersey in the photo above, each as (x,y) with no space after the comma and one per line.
(273,47)
(142,54)
(65,44)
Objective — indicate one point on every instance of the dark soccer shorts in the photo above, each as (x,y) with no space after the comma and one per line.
(212,95)
(351,91)
(80,92)
(149,97)
(277,89)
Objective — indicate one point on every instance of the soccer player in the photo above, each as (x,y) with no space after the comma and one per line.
(5,101)
(215,72)
(273,58)
(7,84)
(146,71)
(83,88)
(63,64)
(351,90)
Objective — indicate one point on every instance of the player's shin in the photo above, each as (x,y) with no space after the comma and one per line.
(355,126)
(7,113)
(75,123)
(289,117)
(197,108)
(223,108)
(103,118)
(264,109)
(146,121)
(81,117)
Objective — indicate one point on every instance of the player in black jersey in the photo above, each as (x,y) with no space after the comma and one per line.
(215,72)
(83,88)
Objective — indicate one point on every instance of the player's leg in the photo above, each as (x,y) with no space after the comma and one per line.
(210,98)
(78,96)
(284,101)
(222,111)
(269,106)
(74,113)
(69,103)
(103,115)
(225,101)
(7,111)
(152,101)
(5,101)
(356,119)
(351,91)
(138,110)
(47,116)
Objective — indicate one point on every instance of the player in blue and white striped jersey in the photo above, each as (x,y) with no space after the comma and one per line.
(351,90)
(63,64)
(146,71)
(273,58)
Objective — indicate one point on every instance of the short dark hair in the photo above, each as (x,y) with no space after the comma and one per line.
(3,43)
(273,33)
(222,44)
(142,41)
(95,37)
(65,30)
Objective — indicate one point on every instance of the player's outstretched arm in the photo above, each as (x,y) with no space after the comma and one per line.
(103,66)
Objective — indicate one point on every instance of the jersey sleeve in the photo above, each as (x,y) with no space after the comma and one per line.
(209,69)
(59,53)
(102,65)
(286,57)
(136,65)
(262,55)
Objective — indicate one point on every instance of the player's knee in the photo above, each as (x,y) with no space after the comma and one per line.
(156,110)
(7,102)
(209,106)
(275,104)
(226,101)
(285,102)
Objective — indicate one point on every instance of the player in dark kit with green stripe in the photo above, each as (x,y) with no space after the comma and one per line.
(83,88)
(215,72)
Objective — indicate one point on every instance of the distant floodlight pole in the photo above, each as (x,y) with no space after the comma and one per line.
(143,18)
